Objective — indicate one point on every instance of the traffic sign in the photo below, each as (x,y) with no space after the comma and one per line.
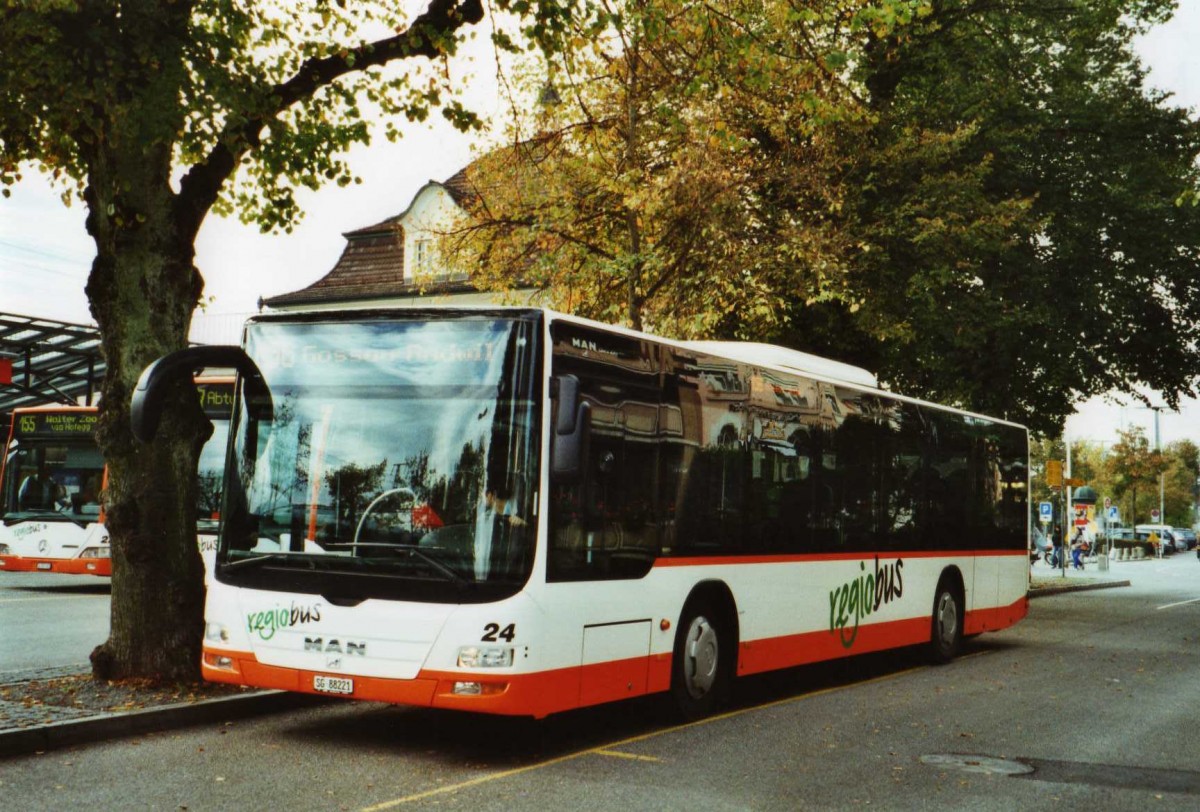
(1112,514)
(1054,473)
(1154,516)
(1045,512)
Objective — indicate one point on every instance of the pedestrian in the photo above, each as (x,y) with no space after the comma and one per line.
(1078,548)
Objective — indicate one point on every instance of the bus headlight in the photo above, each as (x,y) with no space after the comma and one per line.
(219,661)
(96,552)
(216,633)
(4,550)
(485,657)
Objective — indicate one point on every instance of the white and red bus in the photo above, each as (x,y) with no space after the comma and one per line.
(51,476)
(515,511)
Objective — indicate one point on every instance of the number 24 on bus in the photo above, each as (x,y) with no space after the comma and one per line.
(516,511)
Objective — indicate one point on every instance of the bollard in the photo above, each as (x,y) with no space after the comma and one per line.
(1102,562)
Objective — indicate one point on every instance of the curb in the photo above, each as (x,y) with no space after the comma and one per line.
(1044,591)
(54,735)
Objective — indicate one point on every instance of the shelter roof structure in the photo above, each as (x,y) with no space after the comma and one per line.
(52,362)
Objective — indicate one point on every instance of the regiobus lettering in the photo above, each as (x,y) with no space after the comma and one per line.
(265,624)
(515,511)
(850,603)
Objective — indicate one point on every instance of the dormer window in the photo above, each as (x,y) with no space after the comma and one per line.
(422,260)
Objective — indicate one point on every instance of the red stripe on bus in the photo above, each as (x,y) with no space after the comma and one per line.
(541,693)
(769,654)
(65,566)
(786,558)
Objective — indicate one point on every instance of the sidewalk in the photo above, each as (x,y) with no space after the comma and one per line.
(1045,580)
(34,727)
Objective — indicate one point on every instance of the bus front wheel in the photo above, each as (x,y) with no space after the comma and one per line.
(700,671)
(947,632)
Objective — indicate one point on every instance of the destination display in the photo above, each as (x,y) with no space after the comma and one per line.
(216,398)
(30,425)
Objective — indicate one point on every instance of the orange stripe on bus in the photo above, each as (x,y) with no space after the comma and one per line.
(544,692)
(788,558)
(66,566)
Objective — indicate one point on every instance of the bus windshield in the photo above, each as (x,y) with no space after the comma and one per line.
(53,471)
(399,453)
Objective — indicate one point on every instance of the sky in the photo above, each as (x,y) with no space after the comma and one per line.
(45,253)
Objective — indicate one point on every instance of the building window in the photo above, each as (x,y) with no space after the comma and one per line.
(422,260)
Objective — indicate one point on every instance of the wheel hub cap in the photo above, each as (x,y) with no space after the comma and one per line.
(700,657)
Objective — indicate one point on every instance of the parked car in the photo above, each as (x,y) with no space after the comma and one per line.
(1164,534)
(1187,536)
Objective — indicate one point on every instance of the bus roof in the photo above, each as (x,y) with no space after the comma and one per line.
(768,355)
(751,352)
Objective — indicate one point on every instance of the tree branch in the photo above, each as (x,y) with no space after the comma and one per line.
(202,184)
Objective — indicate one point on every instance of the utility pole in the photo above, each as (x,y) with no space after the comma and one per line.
(1162,516)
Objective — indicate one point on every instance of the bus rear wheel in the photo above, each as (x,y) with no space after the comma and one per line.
(700,672)
(947,631)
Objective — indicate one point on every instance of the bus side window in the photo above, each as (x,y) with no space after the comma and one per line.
(607,523)
(903,477)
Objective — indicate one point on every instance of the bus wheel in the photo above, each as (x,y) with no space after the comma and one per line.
(699,674)
(947,632)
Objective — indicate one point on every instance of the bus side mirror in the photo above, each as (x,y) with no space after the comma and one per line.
(568,448)
(146,405)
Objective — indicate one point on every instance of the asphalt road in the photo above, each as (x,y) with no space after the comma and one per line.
(1096,693)
(49,621)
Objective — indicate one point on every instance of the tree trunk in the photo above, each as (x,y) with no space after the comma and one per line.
(142,291)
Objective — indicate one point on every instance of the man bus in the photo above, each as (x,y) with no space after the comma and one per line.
(519,512)
(51,476)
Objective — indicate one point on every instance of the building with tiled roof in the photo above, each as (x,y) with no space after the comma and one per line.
(394,262)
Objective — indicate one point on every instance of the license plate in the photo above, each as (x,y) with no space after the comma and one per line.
(44,565)
(333,685)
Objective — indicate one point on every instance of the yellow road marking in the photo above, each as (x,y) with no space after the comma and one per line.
(606,749)
(631,756)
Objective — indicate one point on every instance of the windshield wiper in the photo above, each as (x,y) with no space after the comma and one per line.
(414,551)
(258,561)
(39,515)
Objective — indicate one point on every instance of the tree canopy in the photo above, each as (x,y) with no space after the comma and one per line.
(680,164)
(980,200)
(1022,202)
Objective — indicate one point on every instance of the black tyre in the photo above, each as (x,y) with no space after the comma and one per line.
(947,628)
(701,669)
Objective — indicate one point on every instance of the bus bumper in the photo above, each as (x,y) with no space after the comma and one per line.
(63,566)
(536,695)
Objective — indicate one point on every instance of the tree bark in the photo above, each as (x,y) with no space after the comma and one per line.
(142,290)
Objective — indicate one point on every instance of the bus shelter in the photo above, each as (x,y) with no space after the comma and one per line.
(44,361)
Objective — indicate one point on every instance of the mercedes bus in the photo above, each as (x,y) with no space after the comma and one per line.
(52,474)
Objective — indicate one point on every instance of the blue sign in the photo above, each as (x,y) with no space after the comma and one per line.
(1045,512)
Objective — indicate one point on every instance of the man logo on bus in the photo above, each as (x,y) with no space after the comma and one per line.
(851,602)
(350,647)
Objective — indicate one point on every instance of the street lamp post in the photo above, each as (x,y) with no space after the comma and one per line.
(1158,447)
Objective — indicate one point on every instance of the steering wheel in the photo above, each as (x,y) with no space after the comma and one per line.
(370,507)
